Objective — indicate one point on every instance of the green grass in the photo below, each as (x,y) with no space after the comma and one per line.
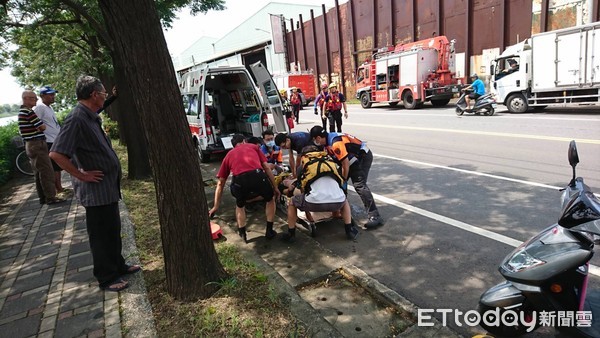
(246,305)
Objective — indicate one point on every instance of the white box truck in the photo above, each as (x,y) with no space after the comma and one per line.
(560,68)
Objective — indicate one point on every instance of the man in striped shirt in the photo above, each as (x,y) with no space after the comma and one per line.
(83,150)
(32,129)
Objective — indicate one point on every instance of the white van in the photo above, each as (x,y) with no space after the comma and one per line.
(222,101)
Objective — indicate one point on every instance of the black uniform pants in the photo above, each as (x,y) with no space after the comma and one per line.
(359,173)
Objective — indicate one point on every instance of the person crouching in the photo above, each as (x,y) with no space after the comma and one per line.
(320,190)
(252,181)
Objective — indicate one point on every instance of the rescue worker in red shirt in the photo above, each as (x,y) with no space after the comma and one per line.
(334,102)
(252,180)
(355,158)
(319,103)
(296,102)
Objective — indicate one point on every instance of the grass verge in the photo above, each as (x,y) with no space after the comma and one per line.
(246,305)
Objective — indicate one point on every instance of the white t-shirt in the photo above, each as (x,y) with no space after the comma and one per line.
(47,115)
(325,190)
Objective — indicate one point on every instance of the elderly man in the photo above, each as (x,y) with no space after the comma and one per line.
(45,112)
(83,150)
(32,129)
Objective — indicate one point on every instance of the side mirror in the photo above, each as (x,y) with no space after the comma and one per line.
(492,70)
(573,159)
(573,156)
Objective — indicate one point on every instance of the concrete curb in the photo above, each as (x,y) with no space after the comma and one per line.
(137,319)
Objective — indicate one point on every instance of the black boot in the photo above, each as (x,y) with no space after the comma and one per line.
(270,234)
(290,236)
(351,231)
(242,233)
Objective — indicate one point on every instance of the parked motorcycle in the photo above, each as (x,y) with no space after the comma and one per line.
(485,104)
(548,274)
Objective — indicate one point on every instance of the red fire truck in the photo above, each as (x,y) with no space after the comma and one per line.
(413,73)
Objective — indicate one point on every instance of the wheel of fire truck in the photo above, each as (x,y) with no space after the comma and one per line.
(440,102)
(517,103)
(409,101)
(365,100)
(393,104)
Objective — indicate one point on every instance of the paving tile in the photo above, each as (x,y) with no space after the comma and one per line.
(38,263)
(81,324)
(79,247)
(24,327)
(84,259)
(23,304)
(31,281)
(80,298)
(10,252)
(43,249)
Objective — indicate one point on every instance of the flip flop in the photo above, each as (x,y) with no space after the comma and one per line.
(131,269)
(113,288)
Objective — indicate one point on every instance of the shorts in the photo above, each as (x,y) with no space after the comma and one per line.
(55,166)
(249,185)
(301,204)
(474,96)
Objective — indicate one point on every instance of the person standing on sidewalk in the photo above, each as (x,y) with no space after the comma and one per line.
(45,112)
(84,151)
(355,158)
(334,102)
(32,129)
(252,181)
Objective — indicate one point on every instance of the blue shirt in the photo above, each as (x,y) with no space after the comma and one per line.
(299,140)
(270,154)
(478,87)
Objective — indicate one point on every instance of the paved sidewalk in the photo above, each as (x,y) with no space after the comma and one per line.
(47,288)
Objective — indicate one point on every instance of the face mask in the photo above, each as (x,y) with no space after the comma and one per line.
(317,143)
(270,144)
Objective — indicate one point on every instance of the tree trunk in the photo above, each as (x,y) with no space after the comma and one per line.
(130,125)
(191,263)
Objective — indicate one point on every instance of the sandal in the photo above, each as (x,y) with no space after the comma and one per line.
(131,269)
(54,200)
(116,286)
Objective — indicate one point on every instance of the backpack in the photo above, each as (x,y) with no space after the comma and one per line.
(316,165)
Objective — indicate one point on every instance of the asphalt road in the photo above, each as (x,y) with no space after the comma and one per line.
(458,194)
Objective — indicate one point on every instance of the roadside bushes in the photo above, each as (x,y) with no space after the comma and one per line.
(8,151)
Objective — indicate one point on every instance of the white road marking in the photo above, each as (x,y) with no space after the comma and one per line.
(535,184)
(593,269)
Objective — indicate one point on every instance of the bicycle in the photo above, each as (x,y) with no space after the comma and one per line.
(22,161)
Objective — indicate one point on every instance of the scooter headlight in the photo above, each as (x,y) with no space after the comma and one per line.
(522,260)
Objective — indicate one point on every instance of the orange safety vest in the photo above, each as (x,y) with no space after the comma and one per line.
(334,103)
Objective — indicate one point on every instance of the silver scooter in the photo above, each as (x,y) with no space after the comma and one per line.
(547,276)
(485,104)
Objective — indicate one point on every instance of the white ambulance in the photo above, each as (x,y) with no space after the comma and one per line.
(222,101)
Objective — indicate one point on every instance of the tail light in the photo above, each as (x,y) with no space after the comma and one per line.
(265,120)
(207,121)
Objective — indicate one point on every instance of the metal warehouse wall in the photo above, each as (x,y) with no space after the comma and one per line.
(334,42)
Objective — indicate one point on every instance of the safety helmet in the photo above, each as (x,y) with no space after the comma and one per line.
(332,85)
(475,76)
(324,85)
(283,92)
